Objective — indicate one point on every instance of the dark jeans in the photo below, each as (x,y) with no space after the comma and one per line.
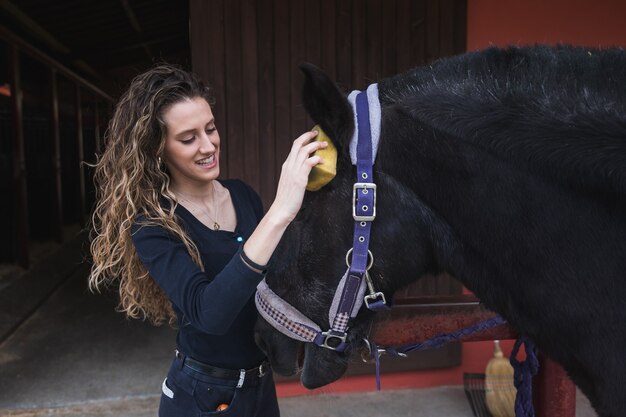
(189,393)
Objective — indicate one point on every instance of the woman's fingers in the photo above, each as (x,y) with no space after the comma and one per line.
(302,152)
(303,139)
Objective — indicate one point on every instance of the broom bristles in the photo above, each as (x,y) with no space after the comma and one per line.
(499,387)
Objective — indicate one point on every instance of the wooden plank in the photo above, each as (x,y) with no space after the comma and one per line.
(432,30)
(313,35)
(20,204)
(344,44)
(359,56)
(460,26)
(266,101)
(418,32)
(373,40)
(446,28)
(328,37)
(282,62)
(403,35)
(389,46)
(233,92)
(250,95)
(208,61)
(298,55)
(313,31)
(56,209)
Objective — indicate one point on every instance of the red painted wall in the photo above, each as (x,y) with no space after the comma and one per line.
(579,22)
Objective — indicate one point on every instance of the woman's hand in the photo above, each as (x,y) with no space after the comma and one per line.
(294,176)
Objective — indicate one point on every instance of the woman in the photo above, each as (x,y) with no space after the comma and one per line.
(186,247)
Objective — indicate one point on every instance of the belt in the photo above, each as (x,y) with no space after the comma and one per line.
(239,375)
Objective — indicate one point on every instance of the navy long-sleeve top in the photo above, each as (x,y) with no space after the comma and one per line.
(215,309)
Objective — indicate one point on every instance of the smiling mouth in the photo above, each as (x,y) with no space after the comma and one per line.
(206,161)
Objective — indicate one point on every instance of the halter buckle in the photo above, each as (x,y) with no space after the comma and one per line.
(337,340)
(373,297)
(366,187)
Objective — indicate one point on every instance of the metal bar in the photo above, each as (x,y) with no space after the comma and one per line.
(57,206)
(33,27)
(96,126)
(20,201)
(81,156)
(25,47)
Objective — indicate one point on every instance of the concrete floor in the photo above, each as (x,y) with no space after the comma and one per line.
(74,356)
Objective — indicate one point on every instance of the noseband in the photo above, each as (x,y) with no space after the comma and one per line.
(350,294)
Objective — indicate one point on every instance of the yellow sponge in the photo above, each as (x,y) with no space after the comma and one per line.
(323,173)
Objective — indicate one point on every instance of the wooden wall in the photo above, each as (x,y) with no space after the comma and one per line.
(249,51)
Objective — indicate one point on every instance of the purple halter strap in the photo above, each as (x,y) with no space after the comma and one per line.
(352,287)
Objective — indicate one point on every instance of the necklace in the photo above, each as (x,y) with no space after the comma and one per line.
(205,209)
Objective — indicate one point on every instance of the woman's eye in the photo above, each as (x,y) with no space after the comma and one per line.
(187,141)
(211,130)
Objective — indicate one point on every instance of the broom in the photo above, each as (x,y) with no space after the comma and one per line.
(499,387)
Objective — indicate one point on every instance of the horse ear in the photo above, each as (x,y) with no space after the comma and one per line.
(327,106)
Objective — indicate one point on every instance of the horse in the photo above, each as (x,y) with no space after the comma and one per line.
(504,167)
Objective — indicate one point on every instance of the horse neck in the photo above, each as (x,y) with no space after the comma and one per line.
(496,214)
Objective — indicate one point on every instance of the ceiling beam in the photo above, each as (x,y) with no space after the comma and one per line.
(135,24)
(46,37)
(33,27)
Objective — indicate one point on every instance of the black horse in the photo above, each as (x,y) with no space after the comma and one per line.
(505,168)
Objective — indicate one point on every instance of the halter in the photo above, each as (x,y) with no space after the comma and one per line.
(350,293)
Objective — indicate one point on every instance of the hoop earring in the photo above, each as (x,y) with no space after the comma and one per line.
(160,163)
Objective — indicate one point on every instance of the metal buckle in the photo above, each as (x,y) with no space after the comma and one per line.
(333,335)
(365,186)
(370,298)
(373,294)
(380,351)
(261,369)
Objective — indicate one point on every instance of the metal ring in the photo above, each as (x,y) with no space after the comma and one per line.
(369,256)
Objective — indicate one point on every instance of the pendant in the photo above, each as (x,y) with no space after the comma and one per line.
(216,226)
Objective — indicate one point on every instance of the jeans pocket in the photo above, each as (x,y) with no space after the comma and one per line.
(174,400)
(214,399)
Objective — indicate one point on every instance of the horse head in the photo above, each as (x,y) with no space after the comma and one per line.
(307,267)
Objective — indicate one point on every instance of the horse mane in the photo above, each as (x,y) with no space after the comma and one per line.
(555,111)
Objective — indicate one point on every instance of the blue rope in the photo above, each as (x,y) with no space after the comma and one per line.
(432,343)
(445,338)
(524,372)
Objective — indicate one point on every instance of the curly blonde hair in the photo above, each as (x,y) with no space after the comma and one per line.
(130,182)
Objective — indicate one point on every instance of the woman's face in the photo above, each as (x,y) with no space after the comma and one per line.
(191,144)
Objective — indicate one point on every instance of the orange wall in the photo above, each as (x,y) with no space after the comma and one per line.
(578,22)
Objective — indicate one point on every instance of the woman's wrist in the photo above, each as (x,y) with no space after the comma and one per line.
(277,218)
(250,263)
